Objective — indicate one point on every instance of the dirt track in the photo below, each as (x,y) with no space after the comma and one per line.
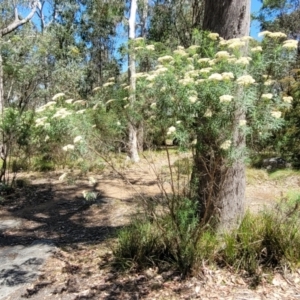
(48,209)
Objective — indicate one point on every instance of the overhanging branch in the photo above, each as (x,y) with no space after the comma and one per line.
(17,22)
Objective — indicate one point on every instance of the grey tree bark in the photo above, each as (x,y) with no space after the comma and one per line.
(143,16)
(133,130)
(219,185)
(229,18)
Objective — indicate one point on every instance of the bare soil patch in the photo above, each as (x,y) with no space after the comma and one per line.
(84,232)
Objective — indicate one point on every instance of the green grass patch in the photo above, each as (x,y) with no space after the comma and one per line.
(254,176)
(166,241)
(283,174)
(183,166)
(266,241)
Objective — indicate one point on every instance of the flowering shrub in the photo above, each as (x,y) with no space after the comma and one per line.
(197,95)
(64,128)
(197,92)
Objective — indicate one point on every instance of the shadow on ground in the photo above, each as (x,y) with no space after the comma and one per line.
(56,213)
(52,214)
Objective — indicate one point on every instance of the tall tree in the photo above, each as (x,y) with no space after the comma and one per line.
(13,23)
(98,29)
(284,16)
(173,22)
(10,27)
(220,184)
(133,130)
(280,15)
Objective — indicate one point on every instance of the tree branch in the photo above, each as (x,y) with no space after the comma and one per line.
(17,22)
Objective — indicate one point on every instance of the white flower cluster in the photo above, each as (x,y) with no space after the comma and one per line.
(226,98)
(222,55)
(269,82)
(245,80)
(150,47)
(205,70)
(44,107)
(216,77)
(276,114)
(80,102)
(193,98)
(59,95)
(287,99)
(256,49)
(68,147)
(108,84)
(237,44)
(290,44)
(268,96)
(213,36)
(171,130)
(180,52)
(224,76)
(166,58)
(40,122)
(208,113)
(273,35)
(61,113)
(77,139)
(226,145)
(242,122)
(203,60)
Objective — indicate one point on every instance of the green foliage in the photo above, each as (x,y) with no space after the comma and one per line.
(169,235)
(182,98)
(137,245)
(284,16)
(168,240)
(268,240)
(68,131)
(172,23)
(254,176)
(242,249)
(90,196)
(183,166)
(43,164)
(280,175)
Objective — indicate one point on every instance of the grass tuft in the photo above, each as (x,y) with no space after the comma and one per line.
(266,241)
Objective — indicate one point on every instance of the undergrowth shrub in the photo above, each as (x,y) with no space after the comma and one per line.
(270,240)
(265,241)
(172,239)
(183,166)
(138,245)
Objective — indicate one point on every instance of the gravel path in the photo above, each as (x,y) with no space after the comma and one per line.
(20,265)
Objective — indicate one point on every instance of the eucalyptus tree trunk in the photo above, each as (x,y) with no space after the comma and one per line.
(229,18)
(17,22)
(143,16)
(1,86)
(133,130)
(219,185)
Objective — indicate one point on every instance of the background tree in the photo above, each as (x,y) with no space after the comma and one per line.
(133,130)
(284,16)
(10,23)
(173,22)
(280,15)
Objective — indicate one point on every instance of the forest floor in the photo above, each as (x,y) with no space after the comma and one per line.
(47,209)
